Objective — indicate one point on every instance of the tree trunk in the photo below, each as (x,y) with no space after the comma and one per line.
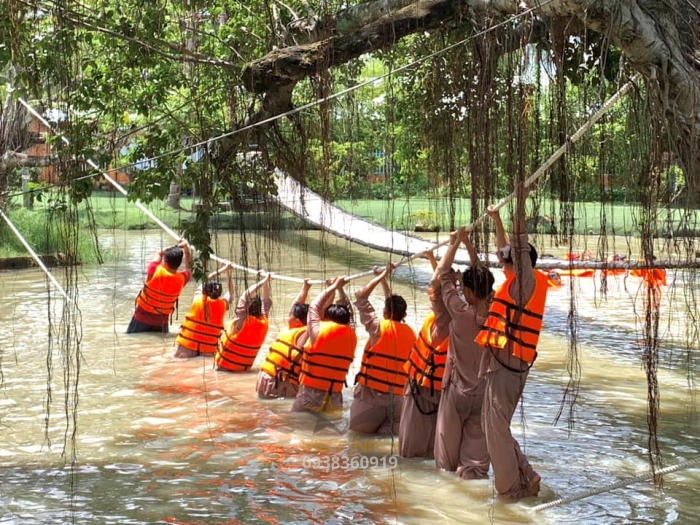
(174,195)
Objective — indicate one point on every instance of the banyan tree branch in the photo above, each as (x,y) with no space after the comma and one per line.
(655,37)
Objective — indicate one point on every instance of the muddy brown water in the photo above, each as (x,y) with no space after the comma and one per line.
(161,440)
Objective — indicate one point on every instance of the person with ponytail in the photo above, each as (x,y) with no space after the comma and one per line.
(201,329)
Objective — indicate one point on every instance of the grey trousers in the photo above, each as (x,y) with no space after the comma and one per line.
(460,443)
(374,412)
(418,420)
(269,387)
(513,474)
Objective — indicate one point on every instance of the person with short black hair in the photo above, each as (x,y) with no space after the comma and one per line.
(460,444)
(201,329)
(329,351)
(509,337)
(246,333)
(279,373)
(157,299)
(376,407)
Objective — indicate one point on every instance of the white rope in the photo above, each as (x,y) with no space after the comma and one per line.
(618,484)
(35,256)
(528,182)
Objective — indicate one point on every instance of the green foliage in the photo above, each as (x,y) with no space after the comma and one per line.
(196,231)
(42,231)
(421,220)
(124,77)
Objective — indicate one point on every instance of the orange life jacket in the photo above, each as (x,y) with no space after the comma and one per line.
(201,332)
(426,362)
(506,323)
(238,351)
(653,276)
(577,272)
(160,292)
(283,361)
(327,360)
(383,364)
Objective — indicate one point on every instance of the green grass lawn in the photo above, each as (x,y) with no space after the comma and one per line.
(619,218)
(114,211)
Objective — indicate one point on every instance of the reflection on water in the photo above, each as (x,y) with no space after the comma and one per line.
(165,440)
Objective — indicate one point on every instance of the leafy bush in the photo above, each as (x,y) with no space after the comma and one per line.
(421,220)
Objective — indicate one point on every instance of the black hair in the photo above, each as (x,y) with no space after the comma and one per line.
(301,311)
(255,307)
(508,257)
(479,280)
(338,313)
(212,289)
(173,257)
(396,307)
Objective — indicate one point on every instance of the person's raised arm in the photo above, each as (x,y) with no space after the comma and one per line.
(520,251)
(454,304)
(157,257)
(318,307)
(428,254)
(465,237)
(226,268)
(300,298)
(229,281)
(188,254)
(242,306)
(368,316)
(380,277)
(222,269)
(385,282)
(445,263)
(266,295)
(495,215)
(343,298)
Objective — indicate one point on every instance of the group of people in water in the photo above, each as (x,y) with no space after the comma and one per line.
(449,392)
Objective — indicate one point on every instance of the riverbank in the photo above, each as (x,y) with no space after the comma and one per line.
(111,211)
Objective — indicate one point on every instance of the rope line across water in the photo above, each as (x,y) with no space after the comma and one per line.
(693,463)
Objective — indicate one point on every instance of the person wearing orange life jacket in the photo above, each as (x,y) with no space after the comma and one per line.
(652,280)
(245,335)
(156,301)
(651,276)
(425,368)
(329,351)
(460,442)
(378,399)
(509,337)
(201,329)
(279,373)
